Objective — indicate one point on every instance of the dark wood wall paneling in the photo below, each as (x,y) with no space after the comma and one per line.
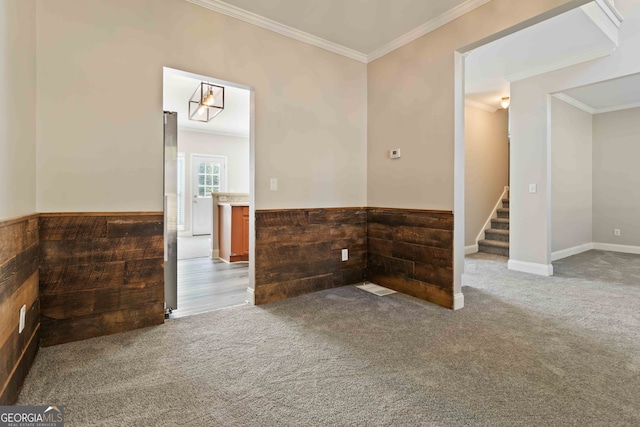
(411,251)
(19,254)
(100,274)
(299,251)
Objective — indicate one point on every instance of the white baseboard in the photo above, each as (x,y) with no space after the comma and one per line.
(458,301)
(471,249)
(627,249)
(530,267)
(251,296)
(571,251)
(215,253)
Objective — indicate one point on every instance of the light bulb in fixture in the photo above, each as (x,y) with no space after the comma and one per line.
(201,110)
(505,102)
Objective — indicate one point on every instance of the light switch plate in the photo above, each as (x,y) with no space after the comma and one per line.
(345,254)
(273,184)
(533,188)
(616,232)
(395,153)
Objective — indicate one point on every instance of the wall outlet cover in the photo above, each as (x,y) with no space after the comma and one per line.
(616,232)
(395,153)
(533,188)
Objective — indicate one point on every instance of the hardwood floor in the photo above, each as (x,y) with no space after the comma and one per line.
(205,285)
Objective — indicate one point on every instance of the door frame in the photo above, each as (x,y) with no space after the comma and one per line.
(252,169)
(223,189)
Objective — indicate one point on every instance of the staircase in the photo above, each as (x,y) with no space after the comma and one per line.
(497,237)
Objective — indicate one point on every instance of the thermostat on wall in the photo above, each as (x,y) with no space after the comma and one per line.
(394,154)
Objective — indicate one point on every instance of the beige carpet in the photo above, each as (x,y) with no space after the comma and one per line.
(526,350)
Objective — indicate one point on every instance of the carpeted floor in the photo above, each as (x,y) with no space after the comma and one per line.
(526,350)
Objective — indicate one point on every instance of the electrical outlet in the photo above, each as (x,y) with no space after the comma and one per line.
(345,254)
(616,232)
(23,315)
(273,184)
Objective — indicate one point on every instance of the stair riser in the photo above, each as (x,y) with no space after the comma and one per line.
(496,236)
(505,204)
(493,250)
(503,215)
(500,225)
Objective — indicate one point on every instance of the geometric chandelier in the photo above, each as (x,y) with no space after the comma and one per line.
(206,102)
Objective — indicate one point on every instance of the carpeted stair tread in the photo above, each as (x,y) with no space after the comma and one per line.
(503,210)
(494,243)
(501,220)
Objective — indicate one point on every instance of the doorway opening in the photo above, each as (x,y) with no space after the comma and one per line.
(210,165)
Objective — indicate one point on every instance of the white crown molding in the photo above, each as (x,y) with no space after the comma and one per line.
(285,30)
(276,27)
(427,27)
(572,101)
(479,105)
(617,108)
(572,60)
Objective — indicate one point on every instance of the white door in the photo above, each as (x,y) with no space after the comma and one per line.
(209,176)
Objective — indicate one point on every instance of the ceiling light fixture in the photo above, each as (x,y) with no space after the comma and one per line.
(206,102)
(505,102)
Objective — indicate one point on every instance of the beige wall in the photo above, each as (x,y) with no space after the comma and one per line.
(616,177)
(17,108)
(235,149)
(486,166)
(411,106)
(100,104)
(571,176)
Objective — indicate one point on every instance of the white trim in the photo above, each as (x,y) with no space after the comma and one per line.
(530,267)
(617,108)
(602,20)
(251,296)
(569,61)
(572,101)
(471,249)
(611,11)
(427,27)
(479,105)
(494,214)
(458,301)
(627,249)
(564,253)
(276,27)
(214,253)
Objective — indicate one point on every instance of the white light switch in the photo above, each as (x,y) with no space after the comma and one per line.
(533,188)
(616,232)
(345,254)
(273,184)
(23,315)
(395,153)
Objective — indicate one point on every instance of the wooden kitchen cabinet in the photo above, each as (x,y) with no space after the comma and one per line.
(233,233)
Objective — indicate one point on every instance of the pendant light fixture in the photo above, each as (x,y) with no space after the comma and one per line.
(206,102)
(505,102)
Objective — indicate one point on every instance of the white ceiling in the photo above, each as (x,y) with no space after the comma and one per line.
(361,25)
(234,120)
(610,95)
(567,39)
(360,29)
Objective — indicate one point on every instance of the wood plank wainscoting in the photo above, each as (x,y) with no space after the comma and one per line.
(100,273)
(18,286)
(298,251)
(411,251)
